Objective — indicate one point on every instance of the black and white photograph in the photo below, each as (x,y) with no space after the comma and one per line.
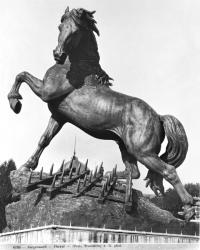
(100,125)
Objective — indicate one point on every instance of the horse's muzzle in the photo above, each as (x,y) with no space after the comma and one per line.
(59,56)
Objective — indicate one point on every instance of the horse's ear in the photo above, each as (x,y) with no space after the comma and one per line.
(67,10)
(89,17)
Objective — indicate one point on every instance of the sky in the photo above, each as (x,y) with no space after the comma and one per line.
(150,47)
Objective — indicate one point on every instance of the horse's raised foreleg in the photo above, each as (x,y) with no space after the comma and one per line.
(154,163)
(14,96)
(52,129)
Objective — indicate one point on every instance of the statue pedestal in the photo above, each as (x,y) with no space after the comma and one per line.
(34,209)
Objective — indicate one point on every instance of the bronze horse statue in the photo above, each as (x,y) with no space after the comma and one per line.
(77,90)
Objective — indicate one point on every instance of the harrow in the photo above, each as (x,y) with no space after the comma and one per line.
(80,181)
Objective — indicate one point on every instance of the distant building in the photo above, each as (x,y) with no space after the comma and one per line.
(74,161)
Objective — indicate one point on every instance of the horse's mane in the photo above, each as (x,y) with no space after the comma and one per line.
(83,18)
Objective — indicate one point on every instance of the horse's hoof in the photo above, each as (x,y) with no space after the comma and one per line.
(15,105)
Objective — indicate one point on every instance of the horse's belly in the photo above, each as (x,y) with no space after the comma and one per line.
(89,119)
(87,113)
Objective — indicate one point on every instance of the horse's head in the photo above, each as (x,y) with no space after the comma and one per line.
(73,25)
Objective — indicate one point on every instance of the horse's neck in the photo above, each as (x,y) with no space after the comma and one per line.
(84,60)
(86,51)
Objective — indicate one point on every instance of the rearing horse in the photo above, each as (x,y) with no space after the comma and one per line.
(77,90)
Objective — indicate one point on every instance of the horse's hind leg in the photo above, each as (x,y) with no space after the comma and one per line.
(52,129)
(14,96)
(154,163)
(129,161)
(132,173)
(155,181)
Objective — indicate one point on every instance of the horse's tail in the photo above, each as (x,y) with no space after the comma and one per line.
(177,146)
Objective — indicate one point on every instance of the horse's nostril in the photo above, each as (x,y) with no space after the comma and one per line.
(58,53)
(55,53)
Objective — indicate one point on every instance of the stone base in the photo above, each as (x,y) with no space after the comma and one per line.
(20,210)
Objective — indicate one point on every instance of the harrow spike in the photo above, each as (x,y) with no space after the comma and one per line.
(62,166)
(62,176)
(101,169)
(103,189)
(71,163)
(78,169)
(90,177)
(95,171)
(53,182)
(109,179)
(29,179)
(115,170)
(70,173)
(51,170)
(86,165)
(78,185)
(111,176)
(63,171)
(41,171)
(85,180)
(106,184)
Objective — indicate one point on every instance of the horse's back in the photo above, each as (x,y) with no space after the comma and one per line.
(100,105)
(106,95)
(100,112)
(92,106)
(134,116)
